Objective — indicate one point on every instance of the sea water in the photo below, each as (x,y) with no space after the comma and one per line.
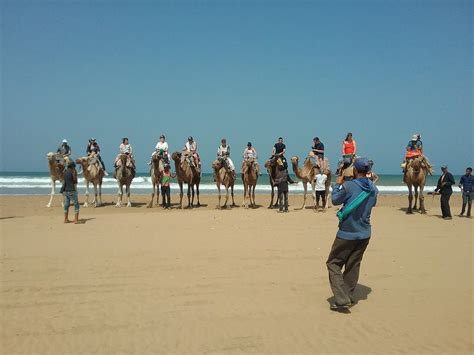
(39,183)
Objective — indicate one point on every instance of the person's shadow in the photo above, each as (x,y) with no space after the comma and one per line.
(361,293)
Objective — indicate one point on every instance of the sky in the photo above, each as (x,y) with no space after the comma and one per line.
(243,70)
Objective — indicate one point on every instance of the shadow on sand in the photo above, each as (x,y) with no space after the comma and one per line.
(361,293)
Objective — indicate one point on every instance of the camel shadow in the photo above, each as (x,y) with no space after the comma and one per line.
(405,210)
(361,293)
(10,217)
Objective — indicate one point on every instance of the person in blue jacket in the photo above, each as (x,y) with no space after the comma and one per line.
(466,183)
(357,197)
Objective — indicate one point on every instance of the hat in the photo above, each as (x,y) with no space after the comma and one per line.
(71,164)
(414,137)
(249,144)
(190,138)
(92,140)
(444,166)
(64,141)
(362,164)
(316,139)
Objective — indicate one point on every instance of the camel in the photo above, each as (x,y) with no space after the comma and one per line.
(56,173)
(308,175)
(224,177)
(271,166)
(249,178)
(415,178)
(187,173)
(93,173)
(124,176)
(156,172)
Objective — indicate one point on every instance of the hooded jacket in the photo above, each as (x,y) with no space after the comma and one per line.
(357,224)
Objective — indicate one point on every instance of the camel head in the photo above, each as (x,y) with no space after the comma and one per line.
(176,156)
(155,160)
(82,160)
(249,162)
(416,165)
(217,165)
(51,157)
(295,160)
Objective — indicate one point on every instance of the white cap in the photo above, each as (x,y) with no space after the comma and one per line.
(64,141)
(414,137)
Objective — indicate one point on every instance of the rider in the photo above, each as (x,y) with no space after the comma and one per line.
(93,147)
(279,150)
(414,149)
(64,151)
(349,150)
(318,151)
(161,149)
(223,152)
(126,148)
(250,153)
(191,147)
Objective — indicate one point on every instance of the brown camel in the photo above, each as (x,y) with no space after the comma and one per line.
(249,178)
(415,178)
(93,173)
(223,177)
(156,172)
(56,173)
(308,175)
(187,173)
(124,175)
(271,166)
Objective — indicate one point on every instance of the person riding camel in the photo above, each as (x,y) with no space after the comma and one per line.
(317,151)
(64,152)
(250,153)
(161,149)
(93,147)
(278,153)
(414,149)
(126,148)
(223,152)
(349,151)
(191,148)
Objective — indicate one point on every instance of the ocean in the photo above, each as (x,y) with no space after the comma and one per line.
(38,183)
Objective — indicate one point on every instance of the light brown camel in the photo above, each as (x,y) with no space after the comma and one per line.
(56,173)
(93,173)
(223,177)
(124,175)
(308,175)
(415,178)
(249,178)
(187,173)
(271,166)
(156,172)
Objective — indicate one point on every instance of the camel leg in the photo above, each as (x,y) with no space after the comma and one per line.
(181,195)
(253,196)
(100,195)
(86,203)
(119,199)
(218,195)
(226,196)
(232,195)
(422,200)
(158,194)
(192,195)
(271,197)
(189,195)
(53,190)
(305,189)
(410,200)
(150,204)
(244,204)
(95,195)
(416,198)
(197,195)
(127,189)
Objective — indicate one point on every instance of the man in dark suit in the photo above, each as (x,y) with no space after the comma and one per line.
(444,188)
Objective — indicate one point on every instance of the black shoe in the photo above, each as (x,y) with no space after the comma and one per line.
(340,308)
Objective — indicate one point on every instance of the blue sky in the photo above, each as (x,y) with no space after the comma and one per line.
(244,70)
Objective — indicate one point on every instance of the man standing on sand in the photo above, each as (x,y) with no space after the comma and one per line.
(357,196)
(69,191)
(444,188)
(466,188)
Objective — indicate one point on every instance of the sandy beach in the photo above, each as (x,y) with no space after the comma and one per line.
(138,280)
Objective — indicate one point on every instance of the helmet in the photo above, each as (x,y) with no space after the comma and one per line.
(414,137)
(190,138)
(64,141)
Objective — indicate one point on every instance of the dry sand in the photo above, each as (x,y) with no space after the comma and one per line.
(138,280)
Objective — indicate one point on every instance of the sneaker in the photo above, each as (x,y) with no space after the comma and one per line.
(447,218)
(337,307)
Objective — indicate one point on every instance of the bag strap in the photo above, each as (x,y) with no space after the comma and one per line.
(348,209)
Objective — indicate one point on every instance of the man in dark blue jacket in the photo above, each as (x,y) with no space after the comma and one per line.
(357,196)
(466,183)
(444,188)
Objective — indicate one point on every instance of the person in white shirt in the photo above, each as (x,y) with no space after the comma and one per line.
(321,188)
(126,148)
(161,149)
(191,147)
(224,152)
